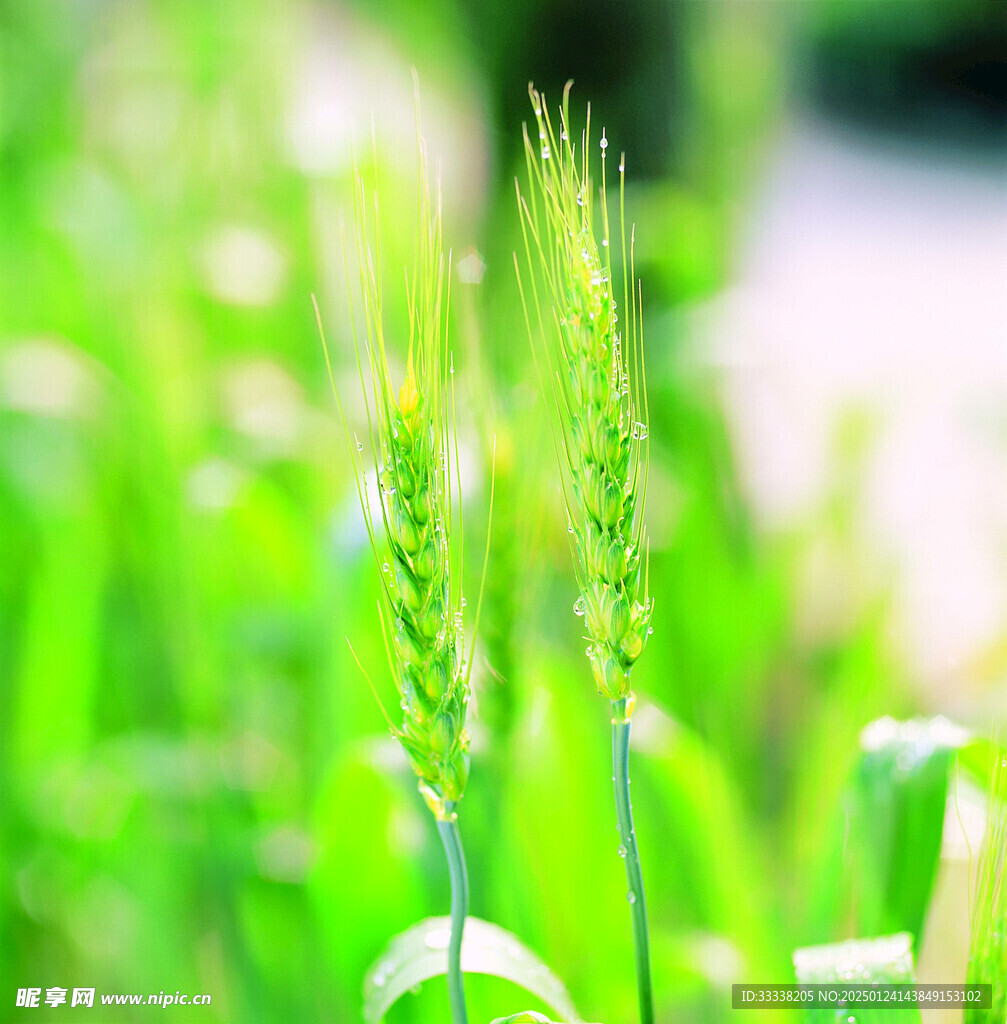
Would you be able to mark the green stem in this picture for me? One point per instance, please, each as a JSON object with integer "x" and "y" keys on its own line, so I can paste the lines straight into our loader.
{"x": 634, "y": 876}
{"x": 452, "y": 841}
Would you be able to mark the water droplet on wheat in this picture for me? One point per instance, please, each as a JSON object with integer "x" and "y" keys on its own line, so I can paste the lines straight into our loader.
{"x": 622, "y": 851}
{"x": 579, "y": 606}
{"x": 640, "y": 431}
{"x": 631, "y": 896}
{"x": 604, "y": 142}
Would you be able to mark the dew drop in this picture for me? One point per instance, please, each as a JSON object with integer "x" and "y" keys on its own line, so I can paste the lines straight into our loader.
{"x": 640, "y": 431}
{"x": 564, "y": 136}
{"x": 546, "y": 152}
{"x": 360, "y": 446}
{"x": 604, "y": 142}
{"x": 622, "y": 851}
{"x": 541, "y": 134}
{"x": 631, "y": 896}
{"x": 386, "y": 567}
{"x": 579, "y": 607}
{"x": 399, "y": 624}
{"x": 580, "y": 202}
{"x": 650, "y": 629}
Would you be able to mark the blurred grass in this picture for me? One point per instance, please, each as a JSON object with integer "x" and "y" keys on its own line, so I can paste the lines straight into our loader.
{"x": 196, "y": 790}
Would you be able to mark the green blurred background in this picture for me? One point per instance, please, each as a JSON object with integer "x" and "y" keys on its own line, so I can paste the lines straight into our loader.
{"x": 197, "y": 792}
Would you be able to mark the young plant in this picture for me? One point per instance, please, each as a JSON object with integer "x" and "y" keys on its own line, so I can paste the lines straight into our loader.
{"x": 412, "y": 436}
{"x": 595, "y": 365}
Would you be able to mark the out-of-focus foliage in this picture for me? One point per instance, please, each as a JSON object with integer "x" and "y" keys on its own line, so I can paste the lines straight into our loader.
{"x": 197, "y": 791}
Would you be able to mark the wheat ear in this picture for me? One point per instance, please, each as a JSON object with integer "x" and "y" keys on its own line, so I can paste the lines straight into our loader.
{"x": 413, "y": 439}
{"x": 596, "y": 378}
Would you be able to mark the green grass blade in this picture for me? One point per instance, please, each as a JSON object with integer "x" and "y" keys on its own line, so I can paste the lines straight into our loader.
{"x": 421, "y": 953}
{"x": 886, "y": 960}
{"x": 988, "y": 945}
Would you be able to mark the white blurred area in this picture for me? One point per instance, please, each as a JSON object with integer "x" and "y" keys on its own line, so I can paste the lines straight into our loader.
{"x": 874, "y": 281}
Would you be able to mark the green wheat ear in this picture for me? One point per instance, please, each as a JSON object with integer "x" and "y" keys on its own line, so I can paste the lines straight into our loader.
{"x": 596, "y": 366}
{"x": 598, "y": 383}
{"x": 988, "y": 946}
{"x": 414, "y": 444}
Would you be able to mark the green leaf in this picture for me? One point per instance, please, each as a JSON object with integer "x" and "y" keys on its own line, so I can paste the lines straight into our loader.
{"x": 524, "y": 1017}
{"x": 897, "y": 804}
{"x": 420, "y": 953}
{"x": 886, "y": 960}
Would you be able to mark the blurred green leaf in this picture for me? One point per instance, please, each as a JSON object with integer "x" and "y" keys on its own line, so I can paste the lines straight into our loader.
{"x": 421, "y": 953}
{"x": 896, "y": 819}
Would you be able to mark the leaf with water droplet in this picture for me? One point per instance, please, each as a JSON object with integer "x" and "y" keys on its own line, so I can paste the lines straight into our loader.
{"x": 886, "y": 960}
{"x": 420, "y": 953}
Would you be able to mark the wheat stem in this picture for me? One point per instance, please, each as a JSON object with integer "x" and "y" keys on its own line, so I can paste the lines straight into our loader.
{"x": 453, "y": 850}
{"x": 621, "y": 711}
